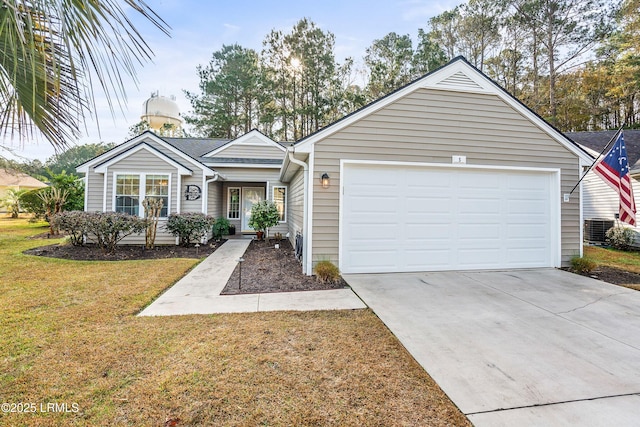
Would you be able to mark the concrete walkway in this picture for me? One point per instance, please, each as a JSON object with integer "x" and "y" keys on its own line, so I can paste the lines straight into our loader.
{"x": 199, "y": 291}
{"x": 518, "y": 348}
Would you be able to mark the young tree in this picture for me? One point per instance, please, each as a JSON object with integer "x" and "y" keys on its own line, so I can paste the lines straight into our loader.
{"x": 53, "y": 52}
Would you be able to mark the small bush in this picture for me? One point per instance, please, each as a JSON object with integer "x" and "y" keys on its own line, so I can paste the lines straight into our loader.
{"x": 582, "y": 265}
{"x": 220, "y": 228}
{"x": 189, "y": 227}
{"x": 111, "y": 227}
{"x": 327, "y": 272}
{"x": 75, "y": 223}
{"x": 264, "y": 214}
{"x": 620, "y": 237}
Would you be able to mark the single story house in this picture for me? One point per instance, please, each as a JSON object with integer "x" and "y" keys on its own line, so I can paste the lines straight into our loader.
{"x": 449, "y": 172}
{"x": 14, "y": 180}
{"x": 601, "y": 203}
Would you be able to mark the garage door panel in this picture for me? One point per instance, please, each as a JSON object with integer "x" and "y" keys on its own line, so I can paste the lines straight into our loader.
{"x": 445, "y": 219}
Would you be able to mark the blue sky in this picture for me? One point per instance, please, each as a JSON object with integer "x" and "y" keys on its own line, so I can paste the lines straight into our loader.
{"x": 201, "y": 27}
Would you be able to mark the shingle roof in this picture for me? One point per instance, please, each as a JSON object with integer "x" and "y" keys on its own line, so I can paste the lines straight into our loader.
{"x": 12, "y": 178}
{"x": 196, "y": 147}
{"x": 597, "y": 140}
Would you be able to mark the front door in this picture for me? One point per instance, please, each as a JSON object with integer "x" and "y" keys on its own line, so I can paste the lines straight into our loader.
{"x": 250, "y": 195}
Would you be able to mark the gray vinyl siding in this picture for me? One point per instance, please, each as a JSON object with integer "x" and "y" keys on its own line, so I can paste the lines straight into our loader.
{"x": 430, "y": 126}
{"x": 214, "y": 199}
{"x": 251, "y": 152}
{"x": 95, "y": 192}
{"x": 296, "y": 205}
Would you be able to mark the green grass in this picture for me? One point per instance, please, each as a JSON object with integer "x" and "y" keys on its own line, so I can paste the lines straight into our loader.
{"x": 629, "y": 261}
{"x": 69, "y": 335}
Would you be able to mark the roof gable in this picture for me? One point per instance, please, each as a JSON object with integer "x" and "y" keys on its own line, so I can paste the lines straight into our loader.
{"x": 458, "y": 75}
{"x": 102, "y": 167}
{"x": 250, "y": 140}
{"x": 178, "y": 156}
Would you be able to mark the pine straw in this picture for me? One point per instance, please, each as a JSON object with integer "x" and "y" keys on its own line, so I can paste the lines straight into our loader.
{"x": 69, "y": 335}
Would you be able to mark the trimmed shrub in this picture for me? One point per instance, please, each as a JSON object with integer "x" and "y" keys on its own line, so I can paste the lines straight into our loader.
{"x": 111, "y": 227}
{"x": 76, "y": 224}
{"x": 220, "y": 228}
{"x": 189, "y": 227}
{"x": 620, "y": 237}
{"x": 327, "y": 272}
{"x": 582, "y": 265}
{"x": 264, "y": 214}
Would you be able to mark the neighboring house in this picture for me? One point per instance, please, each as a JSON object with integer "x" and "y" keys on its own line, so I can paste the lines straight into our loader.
{"x": 14, "y": 180}
{"x": 601, "y": 202}
{"x": 597, "y": 140}
{"x": 449, "y": 172}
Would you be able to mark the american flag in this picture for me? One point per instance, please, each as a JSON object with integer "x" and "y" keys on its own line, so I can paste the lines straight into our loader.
{"x": 613, "y": 168}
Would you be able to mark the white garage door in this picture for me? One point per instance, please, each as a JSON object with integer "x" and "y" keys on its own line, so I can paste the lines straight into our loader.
{"x": 409, "y": 218}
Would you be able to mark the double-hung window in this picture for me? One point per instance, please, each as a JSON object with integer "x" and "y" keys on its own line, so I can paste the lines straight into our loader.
{"x": 280, "y": 200}
{"x": 132, "y": 189}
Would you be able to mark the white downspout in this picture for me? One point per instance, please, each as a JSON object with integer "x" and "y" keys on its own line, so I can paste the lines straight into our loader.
{"x": 205, "y": 199}
{"x": 305, "y": 207}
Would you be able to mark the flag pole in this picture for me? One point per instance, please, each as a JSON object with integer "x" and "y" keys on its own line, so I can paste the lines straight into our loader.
{"x": 615, "y": 136}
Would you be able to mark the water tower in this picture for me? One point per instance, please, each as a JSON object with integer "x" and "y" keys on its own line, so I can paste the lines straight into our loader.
{"x": 159, "y": 111}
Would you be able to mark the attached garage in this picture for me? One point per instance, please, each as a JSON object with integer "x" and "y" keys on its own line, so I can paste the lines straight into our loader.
{"x": 406, "y": 217}
{"x": 447, "y": 173}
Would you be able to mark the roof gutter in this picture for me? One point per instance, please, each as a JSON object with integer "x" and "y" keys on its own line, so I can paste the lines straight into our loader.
{"x": 305, "y": 216}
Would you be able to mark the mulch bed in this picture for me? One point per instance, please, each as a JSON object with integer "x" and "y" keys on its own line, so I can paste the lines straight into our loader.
{"x": 614, "y": 275}
{"x": 267, "y": 269}
{"x": 264, "y": 270}
{"x": 124, "y": 252}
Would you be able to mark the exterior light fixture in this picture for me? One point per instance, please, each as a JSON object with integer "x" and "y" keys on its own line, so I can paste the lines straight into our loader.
{"x": 324, "y": 180}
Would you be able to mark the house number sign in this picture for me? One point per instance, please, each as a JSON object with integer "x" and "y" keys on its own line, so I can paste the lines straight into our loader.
{"x": 193, "y": 192}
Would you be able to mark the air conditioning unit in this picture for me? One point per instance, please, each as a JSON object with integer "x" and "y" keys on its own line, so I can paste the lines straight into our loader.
{"x": 596, "y": 228}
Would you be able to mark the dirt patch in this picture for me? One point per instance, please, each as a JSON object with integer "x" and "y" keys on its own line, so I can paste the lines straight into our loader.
{"x": 267, "y": 269}
{"x": 124, "y": 252}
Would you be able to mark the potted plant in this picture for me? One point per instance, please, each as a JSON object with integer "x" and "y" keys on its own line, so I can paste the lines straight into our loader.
{"x": 264, "y": 214}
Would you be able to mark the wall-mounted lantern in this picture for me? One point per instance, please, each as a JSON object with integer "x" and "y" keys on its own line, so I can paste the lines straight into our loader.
{"x": 324, "y": 180}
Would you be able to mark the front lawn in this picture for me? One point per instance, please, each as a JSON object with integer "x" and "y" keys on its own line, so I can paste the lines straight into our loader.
{"x": 629, "y": 261}
{"x": 72, "y": 352}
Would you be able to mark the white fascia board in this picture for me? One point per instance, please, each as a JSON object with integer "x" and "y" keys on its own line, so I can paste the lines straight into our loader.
{"x": 242, "y": 140}
{"x": 438, "y": 80}
{"x": 243, "y": 165}
{"x": 102, "y": 168}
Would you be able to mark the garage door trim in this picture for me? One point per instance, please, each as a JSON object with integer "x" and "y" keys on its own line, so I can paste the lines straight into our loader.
{"x": 554, "y": 196}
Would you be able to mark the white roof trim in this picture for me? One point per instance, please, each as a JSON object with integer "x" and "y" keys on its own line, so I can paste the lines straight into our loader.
{"x": 244, "y": 140}
{"x": 84, "y": 167}
{"x": 244, "y": 165}
{"x": 102, "y": 168}
{"x": 459, "y": 76}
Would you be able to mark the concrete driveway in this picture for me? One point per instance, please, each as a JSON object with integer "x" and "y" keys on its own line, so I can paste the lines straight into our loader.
{"x": 520, "y": 347}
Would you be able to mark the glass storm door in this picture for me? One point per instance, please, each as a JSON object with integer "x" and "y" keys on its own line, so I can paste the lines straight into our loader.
{"x": 250, "y": 195}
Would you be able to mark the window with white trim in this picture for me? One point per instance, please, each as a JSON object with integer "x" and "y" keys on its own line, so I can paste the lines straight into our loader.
{"x": 129, "y": 194}
{"x": 233, "y": 203}
{"x": 280, "y": 200}
{"x": 157, "y": 187}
